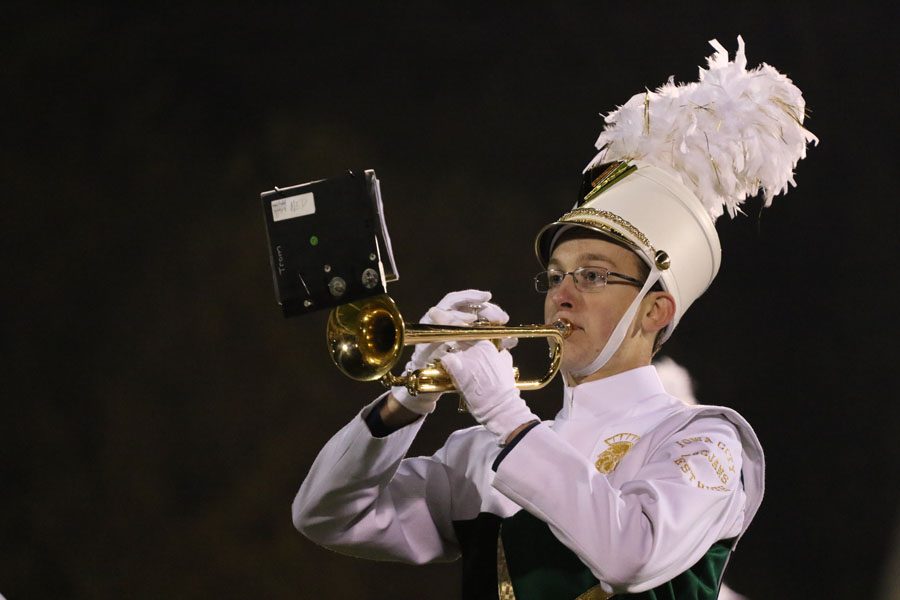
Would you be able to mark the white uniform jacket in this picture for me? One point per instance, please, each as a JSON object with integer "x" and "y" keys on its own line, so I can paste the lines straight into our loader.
{"x": 638, "y": 484}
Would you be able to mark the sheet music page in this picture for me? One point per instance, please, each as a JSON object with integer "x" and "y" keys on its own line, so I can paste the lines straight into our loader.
{"x": 389, "y": 270}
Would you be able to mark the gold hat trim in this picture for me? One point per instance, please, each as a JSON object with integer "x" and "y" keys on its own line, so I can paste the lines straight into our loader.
{"x": 586, "y": 216}
{"x": 614, "y": 173}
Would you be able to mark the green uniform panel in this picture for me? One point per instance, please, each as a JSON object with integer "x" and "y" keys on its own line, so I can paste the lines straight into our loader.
{"x": 542, "y": 568}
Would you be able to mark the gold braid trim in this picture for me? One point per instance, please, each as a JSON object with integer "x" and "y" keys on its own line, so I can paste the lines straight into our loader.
{"x": 605, "y": 214}
{"x": 504, "y": 581}
{"x": 595, "y": 593}
{"x": 581, "y": 216}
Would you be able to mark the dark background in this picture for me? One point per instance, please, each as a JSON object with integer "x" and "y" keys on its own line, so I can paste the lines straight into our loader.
{"x": 158, "y": 413}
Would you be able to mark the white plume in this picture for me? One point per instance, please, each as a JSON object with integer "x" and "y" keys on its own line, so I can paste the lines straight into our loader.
{"x": 675, "y": 379}
{"x": 726, "y": 137}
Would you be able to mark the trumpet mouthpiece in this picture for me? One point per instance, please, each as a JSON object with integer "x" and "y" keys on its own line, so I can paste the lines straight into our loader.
{"x": 564, "y": 327}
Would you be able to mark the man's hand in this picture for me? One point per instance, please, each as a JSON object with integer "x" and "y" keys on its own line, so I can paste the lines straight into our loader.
{"x": 451, "y": 310}
{"x": 486, "y": 379}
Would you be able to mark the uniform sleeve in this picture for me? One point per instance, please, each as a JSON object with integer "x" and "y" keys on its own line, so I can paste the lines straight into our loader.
{"x": 363, "y": 498}
{"x": 633, "y": 537}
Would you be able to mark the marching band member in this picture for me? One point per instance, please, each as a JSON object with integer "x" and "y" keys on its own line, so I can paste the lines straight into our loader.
{"x": 628, "y": 492}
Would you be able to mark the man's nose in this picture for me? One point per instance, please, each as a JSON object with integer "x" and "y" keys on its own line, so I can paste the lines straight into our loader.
{"x": 564, "y": 294}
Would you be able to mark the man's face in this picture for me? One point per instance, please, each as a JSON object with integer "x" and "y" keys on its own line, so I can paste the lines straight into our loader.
{"x": 593, "y": 315}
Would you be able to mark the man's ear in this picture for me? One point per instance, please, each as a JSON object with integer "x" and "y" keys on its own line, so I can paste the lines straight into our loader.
{"x": 659, "y": 310}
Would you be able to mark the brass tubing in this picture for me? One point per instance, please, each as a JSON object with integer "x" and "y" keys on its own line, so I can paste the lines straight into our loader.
{"x": 435, "y": 379}
{"x": 366, "y": 339}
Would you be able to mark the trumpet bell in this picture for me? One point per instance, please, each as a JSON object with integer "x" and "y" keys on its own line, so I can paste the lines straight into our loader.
{"x": 365, "y": 338}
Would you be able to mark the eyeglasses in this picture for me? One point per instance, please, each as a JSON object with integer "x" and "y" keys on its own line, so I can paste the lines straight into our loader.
{"x": 587, "y": 279}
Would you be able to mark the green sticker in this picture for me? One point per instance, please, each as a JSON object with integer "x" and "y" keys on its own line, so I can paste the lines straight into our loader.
{"x": 313, "y": 241}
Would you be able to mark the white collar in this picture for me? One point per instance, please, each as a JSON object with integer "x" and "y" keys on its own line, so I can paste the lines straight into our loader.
{"x": 635, "y": 391}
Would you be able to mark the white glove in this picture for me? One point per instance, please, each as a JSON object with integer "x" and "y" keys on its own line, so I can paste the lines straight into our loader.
{"x": 449, "y": 311}
{"x": 485, "y": 378}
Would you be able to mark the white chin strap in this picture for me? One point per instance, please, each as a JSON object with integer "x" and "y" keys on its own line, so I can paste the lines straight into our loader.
{"x": 618, "y": 334}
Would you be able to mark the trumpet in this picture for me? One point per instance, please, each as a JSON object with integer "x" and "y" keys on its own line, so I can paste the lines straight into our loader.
{"x": 366, "y": 339}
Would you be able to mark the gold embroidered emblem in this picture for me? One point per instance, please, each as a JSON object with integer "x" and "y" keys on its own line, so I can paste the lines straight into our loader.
{"x": 619, "y": 445}
{"x": 710, "y": 466}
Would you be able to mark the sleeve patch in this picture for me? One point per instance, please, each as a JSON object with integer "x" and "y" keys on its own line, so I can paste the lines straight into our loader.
{"x": 705, "y": 463}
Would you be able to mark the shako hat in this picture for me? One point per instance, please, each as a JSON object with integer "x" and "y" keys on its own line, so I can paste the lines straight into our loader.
{"x": 670, "y": 162}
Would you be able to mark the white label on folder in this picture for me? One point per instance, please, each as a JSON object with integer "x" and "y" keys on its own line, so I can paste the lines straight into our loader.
{"x": 293, "y": 207}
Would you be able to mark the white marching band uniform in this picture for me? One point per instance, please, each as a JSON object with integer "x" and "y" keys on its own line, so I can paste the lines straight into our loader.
{"x": 675, "y": 490}
{"x": 629, "y": 490}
